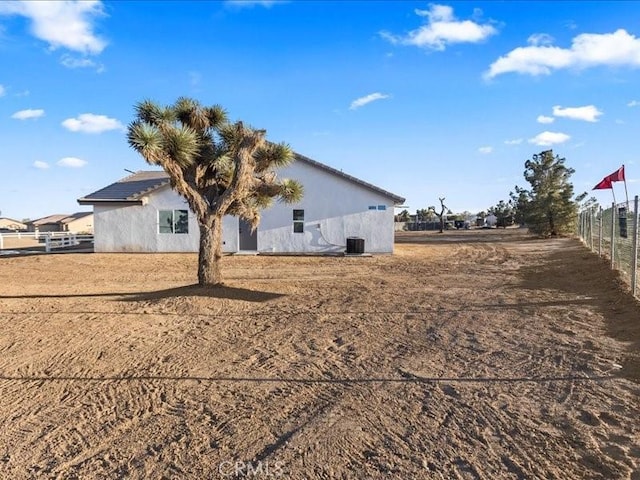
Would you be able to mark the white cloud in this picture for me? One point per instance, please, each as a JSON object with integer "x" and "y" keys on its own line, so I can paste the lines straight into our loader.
{"x": 485, "y": 150}
{"x": 515, "y": 141}
{"x": 70, "y": 61}
{"x": 91, "y": 123}
{"x": 3, "y": 91}
{"x": 442, "y": 29}
{"x": 253, "y": 3}
{"x": 545, "y": 119}
{"x": 546, "y": 139}
{"x": 587, "y": 50}
{"x": 588, "y": 113}
{"x": 633, "y": 103}
{"x": 540, "y": 39}
{"x": 362, "y": 101}
{"x": 27, "y": 114}
{"x": 41, "y": 165}
{"x": 67, "y": 24}
{"x": 71, "y": 162}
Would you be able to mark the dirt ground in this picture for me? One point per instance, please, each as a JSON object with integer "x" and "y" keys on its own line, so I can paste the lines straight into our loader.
{"x": 468, "y": 355}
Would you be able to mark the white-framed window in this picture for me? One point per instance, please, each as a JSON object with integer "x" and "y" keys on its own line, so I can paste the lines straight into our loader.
{"x": 298, "y": 221}
{"x": 173, "y": 221}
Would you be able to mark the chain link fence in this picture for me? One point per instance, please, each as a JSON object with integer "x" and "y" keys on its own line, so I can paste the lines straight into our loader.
{"x": 613, "y": 234}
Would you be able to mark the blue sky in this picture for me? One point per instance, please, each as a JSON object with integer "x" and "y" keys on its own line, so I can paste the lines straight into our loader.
{"x": 423, "y": 99}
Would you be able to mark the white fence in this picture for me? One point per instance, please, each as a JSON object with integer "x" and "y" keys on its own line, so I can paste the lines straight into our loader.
{"x": 51, "y": 240}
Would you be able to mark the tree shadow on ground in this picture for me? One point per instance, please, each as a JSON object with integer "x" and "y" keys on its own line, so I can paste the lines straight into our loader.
{"x": 222, "y": 291}
{"x": 574, "y": 270}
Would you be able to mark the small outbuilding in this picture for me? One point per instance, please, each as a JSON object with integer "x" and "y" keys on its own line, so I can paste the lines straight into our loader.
{"x": 141, "y": 213}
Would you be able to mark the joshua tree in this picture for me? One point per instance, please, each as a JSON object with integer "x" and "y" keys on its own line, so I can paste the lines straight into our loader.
{"x": 220, "y": 168}
{"x": 443, "y": 209}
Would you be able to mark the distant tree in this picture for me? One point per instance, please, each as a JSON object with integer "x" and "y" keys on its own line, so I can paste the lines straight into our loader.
{"x": 443, "y": 209}
{"x": 403, "y": 216}
{"x": 548, "y": 206}
{"x": 220, "y": 168}
{"x": 520, "y": 202}
{"x": 504, "y": 213}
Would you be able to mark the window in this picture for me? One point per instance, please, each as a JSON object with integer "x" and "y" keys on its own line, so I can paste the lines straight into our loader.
{"x": 173, "y": 221}
{"x": 382, "y": 207}
{"x": 372, "y": 207}
{"x": 298, "y": 221}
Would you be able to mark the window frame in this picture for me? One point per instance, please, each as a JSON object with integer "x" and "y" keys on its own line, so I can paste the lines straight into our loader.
{"x": 298, "y": 220}
{"x": 177, "y": 215}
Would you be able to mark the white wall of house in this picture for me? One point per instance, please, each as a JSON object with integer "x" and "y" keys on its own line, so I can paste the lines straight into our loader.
{"x": 134, "y": 228}
{"x": 334, "y": 209}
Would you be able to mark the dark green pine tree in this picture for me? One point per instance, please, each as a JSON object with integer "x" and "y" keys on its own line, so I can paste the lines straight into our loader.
{"x": 551, "y": 208}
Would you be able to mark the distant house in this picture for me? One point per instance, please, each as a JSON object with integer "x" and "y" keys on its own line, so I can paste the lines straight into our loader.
{"x": 141, "y": 213}
{"x": 80, "y": 222}
{"x": 11, "y": 224}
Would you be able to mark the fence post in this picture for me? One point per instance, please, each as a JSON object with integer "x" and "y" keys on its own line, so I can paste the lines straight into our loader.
{"x": 600, "y": 233}
{"x": 1, "y": 242}
{"x": 47, "y": 244}
{"x": 592, "y": 212}
{"x": 613, "y": 235}
{"x": 634, "y": 259}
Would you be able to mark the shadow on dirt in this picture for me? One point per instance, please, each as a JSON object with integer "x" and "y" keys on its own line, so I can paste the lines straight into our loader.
{"x": 572, "y": 269}
{"x": 224, "y": 291}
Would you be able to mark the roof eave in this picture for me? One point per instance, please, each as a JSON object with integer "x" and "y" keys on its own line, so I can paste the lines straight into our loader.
{"x": 95, "y": 201}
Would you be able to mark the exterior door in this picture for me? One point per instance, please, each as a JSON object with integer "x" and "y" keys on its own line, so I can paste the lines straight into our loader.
{"x": 248, "y": 239}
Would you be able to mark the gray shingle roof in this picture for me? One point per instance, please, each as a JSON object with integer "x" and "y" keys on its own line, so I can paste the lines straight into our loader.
{"x": 128, "y": 189}
{"x": 135, "y": 186}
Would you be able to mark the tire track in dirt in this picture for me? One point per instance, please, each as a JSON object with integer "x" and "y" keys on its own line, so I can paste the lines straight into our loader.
{"x": 234, "y": 378}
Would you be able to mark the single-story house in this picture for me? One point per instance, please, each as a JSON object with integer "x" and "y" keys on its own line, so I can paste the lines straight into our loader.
{"x": 141, "y": 213}
{"x": 79, "y": 222}
{"x": 11, "y": 224}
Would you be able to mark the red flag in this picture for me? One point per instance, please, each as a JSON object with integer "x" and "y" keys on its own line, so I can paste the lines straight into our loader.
{"x": 604, "y": 184}
{"x": 617, "y": 176}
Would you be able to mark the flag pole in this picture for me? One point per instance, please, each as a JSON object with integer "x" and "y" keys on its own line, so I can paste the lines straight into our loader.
{"x": 624, "y": 179}
{"x": 614, "y": 195}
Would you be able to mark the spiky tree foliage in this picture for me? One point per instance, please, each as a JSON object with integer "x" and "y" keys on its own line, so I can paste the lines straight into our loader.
{"x": 548, "y": 207}
{"x": 220, "y": 168}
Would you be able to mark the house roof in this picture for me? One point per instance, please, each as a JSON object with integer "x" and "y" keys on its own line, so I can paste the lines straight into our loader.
{"x": 75, "y": 216}
{"x": 60, "y": 218}
{"x": 12, "y": 220}
{"x": 128, "y": 189}
{"x": 50, "y": 219}
{"x": 131, "y": 189}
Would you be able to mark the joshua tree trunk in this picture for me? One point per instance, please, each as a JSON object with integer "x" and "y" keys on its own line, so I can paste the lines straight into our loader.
{"x": 209, "y": 272}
